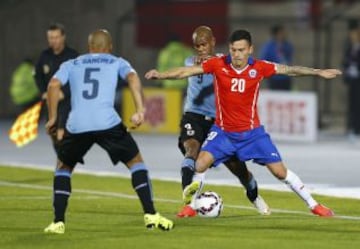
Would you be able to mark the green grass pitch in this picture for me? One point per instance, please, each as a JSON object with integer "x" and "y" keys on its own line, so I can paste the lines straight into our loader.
{"x": 104, "y": 212}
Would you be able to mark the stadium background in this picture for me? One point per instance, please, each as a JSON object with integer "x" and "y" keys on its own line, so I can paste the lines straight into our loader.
{"x": 317, "y": 29}
{"x": 318, "y": 37}
{"x": 98, "y": 209}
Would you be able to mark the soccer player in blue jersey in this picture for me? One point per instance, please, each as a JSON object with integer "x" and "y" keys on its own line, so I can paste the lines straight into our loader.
{"x": 199, "y": 116}
{"x": 93, "y": 79}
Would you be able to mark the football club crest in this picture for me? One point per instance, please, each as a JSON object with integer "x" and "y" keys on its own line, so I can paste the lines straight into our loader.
{"x": 46, "y": 69}
{"x": 252, "y": 73}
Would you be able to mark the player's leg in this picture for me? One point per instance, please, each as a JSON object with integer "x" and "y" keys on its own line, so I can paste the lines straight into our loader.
{"x": 216, "y": 149}
{"x": 240, "y": 170}
{"x": 193, "y": 131}
{"x": 61, "y": 181}
{"x": 121, "y": 146}
{"x": 262, "y": 150}
{"x": 192, "y": 147}
{"x": 191, "y": 191}
{"x": 70, "y": 151}
{"x": 142, "y": 185}
{"x": 247, "y": 179}
{"x": 279, "y": 170}
{"x": 62, "y": 190}
{"x": 61, "y": 194}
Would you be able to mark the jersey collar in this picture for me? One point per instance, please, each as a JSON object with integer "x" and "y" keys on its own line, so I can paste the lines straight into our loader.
{"x": 251, "y": 60}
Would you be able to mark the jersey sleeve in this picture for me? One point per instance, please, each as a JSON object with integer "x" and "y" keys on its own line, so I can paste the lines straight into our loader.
{"x": 125, "y": 68}
{"x": 268, "y": 68}
{"x": 62, "y": 74}
{"x": 189, "y": 61}
{"x": 39, "y": 75}
{"x": 209, "y": 65}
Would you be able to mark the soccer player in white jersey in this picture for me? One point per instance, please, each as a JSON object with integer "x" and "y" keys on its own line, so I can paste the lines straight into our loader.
{"x": 199, "y": 116}
{"x": 93, "y": 79}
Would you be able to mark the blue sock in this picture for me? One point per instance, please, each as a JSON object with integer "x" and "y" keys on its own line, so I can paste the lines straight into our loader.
{"x": 187, "y": 171}
{"x": 252, "y": 189}
{"x": 62, "y": 192}
{"x": 142, "y": 185}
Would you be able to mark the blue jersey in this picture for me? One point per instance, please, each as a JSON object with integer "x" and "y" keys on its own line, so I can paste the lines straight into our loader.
{"x": 200, "y": 97}
{"x": 93, "y": 79}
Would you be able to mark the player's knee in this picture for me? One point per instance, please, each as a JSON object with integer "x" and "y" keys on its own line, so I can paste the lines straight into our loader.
{"x": 201, "y": 166}
{"x": 191, "y": 154}
{"x": 278, "y": 170}
{"x": 62, "y": 166}
{"x": 204, "y": 161}
{"x": 135, "y": 160}
{"x": 191, "y": 148}
{"x": 280, "y": 175}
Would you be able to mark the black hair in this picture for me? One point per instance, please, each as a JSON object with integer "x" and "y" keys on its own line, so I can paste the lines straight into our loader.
{"x": 240, "y": 34}
{"x": 57, "y": 26}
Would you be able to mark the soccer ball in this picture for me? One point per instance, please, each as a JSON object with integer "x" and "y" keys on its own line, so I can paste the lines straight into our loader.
{"x": 208, "y": 204}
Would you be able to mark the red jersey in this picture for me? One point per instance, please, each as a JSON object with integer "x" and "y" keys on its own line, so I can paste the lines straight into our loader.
{"x": 236, "y": 91}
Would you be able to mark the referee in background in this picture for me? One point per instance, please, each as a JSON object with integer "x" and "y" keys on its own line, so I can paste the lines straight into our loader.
{"x": 49, "y": 62}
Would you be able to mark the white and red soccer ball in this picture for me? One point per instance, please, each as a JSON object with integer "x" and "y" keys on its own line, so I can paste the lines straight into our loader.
{"x": 208, "y": 204}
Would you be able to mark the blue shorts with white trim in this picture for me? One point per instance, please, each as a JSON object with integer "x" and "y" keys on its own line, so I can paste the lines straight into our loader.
{"x": 253, "y": 145}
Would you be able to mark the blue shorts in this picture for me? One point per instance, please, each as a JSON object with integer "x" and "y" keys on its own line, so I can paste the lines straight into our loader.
{"x": 253, "y": 145}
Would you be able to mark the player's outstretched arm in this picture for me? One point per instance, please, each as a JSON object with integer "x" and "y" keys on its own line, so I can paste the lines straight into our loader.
{"x": 329, "y": 73}
{"x": 174, "y": 73}
{"x": 303, "y": 71}
{"x": 138, "y": 96}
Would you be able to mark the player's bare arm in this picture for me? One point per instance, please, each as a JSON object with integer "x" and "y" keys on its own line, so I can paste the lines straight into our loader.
{"x": 136, "y": 90}
{"x": 175, "y": 73}
{"x": 61, "y": 94}
{"x": 303, "y": 71}
{"x": 54, "y": 94}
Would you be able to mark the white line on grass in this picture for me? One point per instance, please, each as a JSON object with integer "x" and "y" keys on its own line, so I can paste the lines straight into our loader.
{"x": 43, "y": 197}
{"x": 127, "y": 196}
{"x": 321, "y": 189}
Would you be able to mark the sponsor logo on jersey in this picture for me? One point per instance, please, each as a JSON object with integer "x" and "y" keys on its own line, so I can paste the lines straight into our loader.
{"x": 225, "y": 70}
{"x": 46, "y": 69}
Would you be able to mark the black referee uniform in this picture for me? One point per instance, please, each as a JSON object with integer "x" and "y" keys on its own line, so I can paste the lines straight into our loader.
{"x": 46, "y": 67}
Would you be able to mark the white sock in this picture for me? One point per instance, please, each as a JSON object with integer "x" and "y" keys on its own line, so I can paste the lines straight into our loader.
{"x": 199, "y": 177}
{"x": 296, "y": 185}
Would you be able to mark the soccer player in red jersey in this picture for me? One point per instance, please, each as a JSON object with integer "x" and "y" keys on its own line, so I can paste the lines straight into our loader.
{"x": 198, "y": 118}
{"x": 237, "y": 129}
